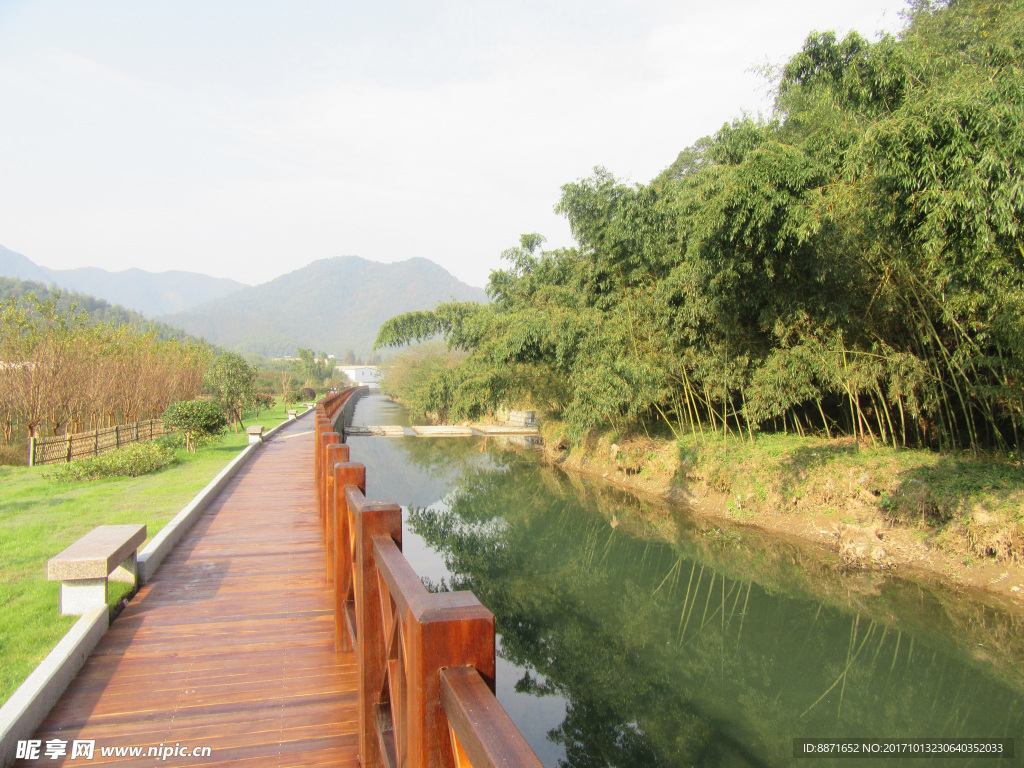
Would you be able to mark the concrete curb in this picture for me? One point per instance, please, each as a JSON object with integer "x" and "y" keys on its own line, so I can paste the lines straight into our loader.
{"x": 160, "y": 545}
{"x": 32, "y": 702}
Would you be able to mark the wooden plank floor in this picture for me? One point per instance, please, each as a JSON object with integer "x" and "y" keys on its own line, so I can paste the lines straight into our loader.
{"x": 231, "y": 646}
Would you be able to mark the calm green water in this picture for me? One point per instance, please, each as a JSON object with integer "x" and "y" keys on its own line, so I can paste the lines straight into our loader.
{"x": 633, "y": 636}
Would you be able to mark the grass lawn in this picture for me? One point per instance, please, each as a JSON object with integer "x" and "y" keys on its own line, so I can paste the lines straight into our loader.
{"x": 40, "y": 517}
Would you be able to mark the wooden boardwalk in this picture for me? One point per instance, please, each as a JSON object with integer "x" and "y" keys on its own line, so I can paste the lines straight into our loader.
{"x": 231, "y": 646}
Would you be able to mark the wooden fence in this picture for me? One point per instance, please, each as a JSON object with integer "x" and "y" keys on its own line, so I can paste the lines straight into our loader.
{"x": 63, "y": 448}
{"x": 426, "y": 660}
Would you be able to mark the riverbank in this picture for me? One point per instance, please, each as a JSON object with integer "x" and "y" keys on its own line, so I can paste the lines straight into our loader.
{"x": 948, "y": 518}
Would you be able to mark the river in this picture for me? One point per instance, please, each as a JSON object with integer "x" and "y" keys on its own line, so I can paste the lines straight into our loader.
{"x": 635, "y": 635}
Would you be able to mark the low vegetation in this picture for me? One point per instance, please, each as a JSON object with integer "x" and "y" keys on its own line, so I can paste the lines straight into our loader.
{"x": 133, "y": 460}
{"x": 196, "y": 421}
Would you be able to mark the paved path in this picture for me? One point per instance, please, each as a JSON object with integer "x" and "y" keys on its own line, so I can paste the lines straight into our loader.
{"x": 231, "y": 646}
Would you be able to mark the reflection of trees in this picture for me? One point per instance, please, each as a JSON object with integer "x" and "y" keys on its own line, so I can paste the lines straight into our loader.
{"x": 666, "y": 660}
{"x": 442, "y": 455}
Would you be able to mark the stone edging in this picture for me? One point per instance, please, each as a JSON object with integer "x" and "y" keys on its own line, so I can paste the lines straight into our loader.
{"x": 32, "y": 701}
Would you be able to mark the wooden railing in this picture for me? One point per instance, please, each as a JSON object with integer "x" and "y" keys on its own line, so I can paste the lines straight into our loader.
{"x": 426, "y": 660}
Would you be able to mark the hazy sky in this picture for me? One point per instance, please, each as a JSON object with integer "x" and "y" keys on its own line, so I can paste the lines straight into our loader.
{"x": 247, "y": 139}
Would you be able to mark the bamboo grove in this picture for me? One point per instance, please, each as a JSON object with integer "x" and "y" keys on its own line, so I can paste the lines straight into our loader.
{"x": 61, "y": 372}
{"x": 850, "y": 264}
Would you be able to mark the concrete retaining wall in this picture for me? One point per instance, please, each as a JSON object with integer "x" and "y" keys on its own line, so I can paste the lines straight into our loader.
{"x": 343, "y": 418}
{"x": 32, "y": 702}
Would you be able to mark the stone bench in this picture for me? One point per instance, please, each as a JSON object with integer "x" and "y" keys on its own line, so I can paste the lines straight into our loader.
{"x": 293, "y": 414}
{"x": 255, "y": 433}
{"x": 106, "y": 553}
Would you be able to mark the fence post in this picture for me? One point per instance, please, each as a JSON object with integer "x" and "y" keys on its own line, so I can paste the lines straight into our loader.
{"x": 117, "y": 436}
{"x": 327, "y": 439}
{"x": 68, "y": 435}
{"x": 320, "y": 426}
{"x": 335, "y": 452}
{"x": 96, "y": 442}
{"x": 371, "y": 519}
{"x": 345, "y": 474}
{"x": 32, "y": 450}
{"x": 446, "y": 629}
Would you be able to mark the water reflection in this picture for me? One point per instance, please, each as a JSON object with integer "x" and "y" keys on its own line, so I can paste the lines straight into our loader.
{"x": 634, "y": 637}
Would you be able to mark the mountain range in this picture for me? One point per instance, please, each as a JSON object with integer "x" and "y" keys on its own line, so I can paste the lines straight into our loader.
{"x": 150, "y": 293}
{"x": 331, "y": 305}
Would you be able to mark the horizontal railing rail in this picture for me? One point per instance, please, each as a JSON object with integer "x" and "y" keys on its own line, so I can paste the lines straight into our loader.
{"x": 426, "y": 659}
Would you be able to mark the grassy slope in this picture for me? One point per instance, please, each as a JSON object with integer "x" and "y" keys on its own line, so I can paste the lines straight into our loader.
{"x": 39, "y": 518}
{"x": 970, "y": 507}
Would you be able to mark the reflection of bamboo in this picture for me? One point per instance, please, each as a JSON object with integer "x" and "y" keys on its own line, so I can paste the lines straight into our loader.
{"x": 707, "y": 603}
{"x": 732, "y": 611}
{"x": 896, "y": 652}
{"x": 849, "y": 650}
{"x": 885, "y": 634}
{"x": 674, "y": 569}
{"x": 705, "y": 618}
{"x": 850, "y": 660}
{"x": 687, "y": 614}
{"x": 743, "y": 615}
{"x": 723, "y": 629}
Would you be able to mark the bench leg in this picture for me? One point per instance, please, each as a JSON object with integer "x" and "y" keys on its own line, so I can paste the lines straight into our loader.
{"x": 127, "y": 572}
{"x": 77, "y": 597}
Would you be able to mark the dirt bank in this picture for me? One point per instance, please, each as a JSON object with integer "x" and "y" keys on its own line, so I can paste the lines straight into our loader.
{"x": 880, "y": 509}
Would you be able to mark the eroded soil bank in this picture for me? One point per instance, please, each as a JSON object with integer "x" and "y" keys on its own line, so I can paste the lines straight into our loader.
{"x": 953, "y": 520}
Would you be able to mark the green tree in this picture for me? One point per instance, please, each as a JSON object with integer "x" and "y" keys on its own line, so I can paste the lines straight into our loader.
{"x": 315, "y": 368}
{"x": 231, "y": 379}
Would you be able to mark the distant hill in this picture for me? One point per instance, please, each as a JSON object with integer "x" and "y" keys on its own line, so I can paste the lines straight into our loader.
{"x": 152, "y": 293}
{"x": 99, "y": 311}
{"x": 331, "y": 305}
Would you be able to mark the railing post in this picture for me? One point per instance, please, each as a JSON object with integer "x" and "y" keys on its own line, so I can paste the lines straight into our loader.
{"x": 447, "y": 629}
{"x": 336, "y": 452}
{"x": 345, "y": 626}
{"x": 320, "y": 427}
{"x": 326, "y": 440}
{"x": 373, "y": 518}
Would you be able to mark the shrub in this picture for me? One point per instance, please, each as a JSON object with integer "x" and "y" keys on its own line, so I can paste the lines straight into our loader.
{"x": 15, "y": 455}
{"x": 131, "y": 461}
{"x": 308, "y": 394}
{"x": 260, "y": 401}
{"x": 195, "y": 420}
{"x": 294, "y": 396}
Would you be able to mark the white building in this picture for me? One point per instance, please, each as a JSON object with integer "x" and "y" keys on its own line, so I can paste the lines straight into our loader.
{"x": 361, "y": 374}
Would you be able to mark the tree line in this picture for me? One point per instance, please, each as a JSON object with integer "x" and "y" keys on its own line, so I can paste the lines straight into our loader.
{"x": 62, "y": 372}
{"x": 850, "y": 264}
